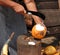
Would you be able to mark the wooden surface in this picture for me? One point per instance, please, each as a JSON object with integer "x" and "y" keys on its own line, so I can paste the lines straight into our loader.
{"x": 52, "y": 20}
{"x": 48, "y": 5}
{"x": 51, "y": 9}
{"x": 52, "y": 16}
{"x": 24, "y": 48}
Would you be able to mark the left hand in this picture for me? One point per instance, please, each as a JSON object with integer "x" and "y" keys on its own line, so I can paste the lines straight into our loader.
{"x": 37, "y": 19}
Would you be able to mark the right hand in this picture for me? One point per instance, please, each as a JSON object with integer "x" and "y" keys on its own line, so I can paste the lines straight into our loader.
{"x": 19, "y": 9}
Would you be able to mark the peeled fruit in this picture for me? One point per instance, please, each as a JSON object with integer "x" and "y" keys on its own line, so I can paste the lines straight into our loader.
{"x": 39, "y": 31}
{"x": 50, "y": 50}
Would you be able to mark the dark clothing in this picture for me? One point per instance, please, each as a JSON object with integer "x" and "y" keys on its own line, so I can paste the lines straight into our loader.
{"x": 10, "y": 22}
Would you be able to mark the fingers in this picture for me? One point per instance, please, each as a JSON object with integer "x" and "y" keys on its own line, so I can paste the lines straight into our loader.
{"x": 19, "y": 9}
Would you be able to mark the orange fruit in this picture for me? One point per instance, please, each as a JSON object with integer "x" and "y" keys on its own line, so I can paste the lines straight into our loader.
{"x": 56, "y": 53}
{"x": 50, "y": 50}
{"x": 39, "y": 31}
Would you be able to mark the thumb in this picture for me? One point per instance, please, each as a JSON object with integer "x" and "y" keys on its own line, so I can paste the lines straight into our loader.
{"x": 25, "y": 11}
{"x": 22, "y": 12}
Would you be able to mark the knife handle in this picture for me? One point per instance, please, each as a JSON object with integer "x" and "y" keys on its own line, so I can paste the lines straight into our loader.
{"x": 42, "y": 16}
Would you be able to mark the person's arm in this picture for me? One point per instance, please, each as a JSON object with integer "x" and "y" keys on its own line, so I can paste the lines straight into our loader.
{"x": 31, "y": 6}
{"x": 9, "y": 3}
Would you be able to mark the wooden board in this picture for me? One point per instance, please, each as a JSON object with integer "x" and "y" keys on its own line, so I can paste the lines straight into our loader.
{"x": 52, "y": 17}
{"x": 53, "y": 30}
{"x": 47, "y": 5}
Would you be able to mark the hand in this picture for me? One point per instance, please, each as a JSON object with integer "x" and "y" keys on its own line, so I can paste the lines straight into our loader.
{"x": 19, "y": 9}
{"x": 37, "y": 19}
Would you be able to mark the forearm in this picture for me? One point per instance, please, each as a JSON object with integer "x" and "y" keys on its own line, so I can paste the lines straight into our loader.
{"x": 8, "y": 3}
{"x": 30, "y": 4}
{"x": 15, "y": 6}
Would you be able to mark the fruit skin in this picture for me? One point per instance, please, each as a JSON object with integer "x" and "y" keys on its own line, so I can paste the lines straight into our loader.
{"x": 4, "y": 50}
{"x": 56, "y": 53}
{"x": 50, "y": 50}
{"x": 39, "y": 34}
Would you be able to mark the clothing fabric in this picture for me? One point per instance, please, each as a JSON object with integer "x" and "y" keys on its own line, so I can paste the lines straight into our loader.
{"x": 10, "y": 22}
